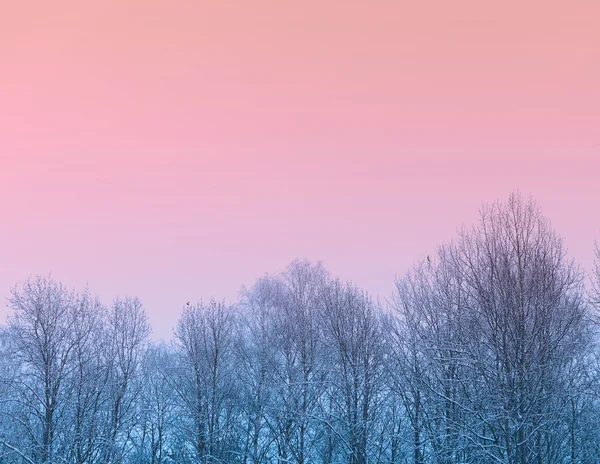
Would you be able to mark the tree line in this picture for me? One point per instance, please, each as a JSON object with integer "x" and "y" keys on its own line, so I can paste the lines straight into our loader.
{"x": 486, "y": 353}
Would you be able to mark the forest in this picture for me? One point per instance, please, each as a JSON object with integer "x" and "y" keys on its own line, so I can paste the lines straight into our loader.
{"x": 487, "y": 352}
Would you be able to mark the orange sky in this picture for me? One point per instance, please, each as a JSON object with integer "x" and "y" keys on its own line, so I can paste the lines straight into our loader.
{"x": 177, "y": 150}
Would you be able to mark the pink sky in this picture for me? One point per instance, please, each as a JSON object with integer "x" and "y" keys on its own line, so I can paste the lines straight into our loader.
{"x": 177, "y": 150}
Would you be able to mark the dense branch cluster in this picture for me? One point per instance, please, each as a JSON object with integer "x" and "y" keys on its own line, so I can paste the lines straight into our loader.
{"x": 486, "y": 353}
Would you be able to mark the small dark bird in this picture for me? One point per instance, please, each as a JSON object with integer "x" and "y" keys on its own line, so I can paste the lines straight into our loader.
{"x": 188, "y": 303}
{"x": 428, "y": 260}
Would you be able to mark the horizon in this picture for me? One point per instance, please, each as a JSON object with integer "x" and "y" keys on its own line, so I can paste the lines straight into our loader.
{"x": 165, "y": 333}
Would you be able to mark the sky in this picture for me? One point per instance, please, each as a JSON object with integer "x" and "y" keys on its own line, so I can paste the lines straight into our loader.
{"x": 177, "y": 150}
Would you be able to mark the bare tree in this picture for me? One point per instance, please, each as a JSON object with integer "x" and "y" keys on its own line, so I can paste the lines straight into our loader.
{"x": 357, "y": 342}
{"x": 430, "y": 357}
{"x": 127, "y": 333}
{"x": 256, "y": 362}
{"x": 40, "y": 333}
{"x": 595, "y": 287}
{"x": 154, "y": 434}
{"x": 204, "y": 338}
{"x": 519, "y": 319}
{"x": 298, "y": 369}
{"x": 87, "y": 381}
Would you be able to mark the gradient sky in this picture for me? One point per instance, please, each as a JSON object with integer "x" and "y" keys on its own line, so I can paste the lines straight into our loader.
{"x": 177, "y": 150}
